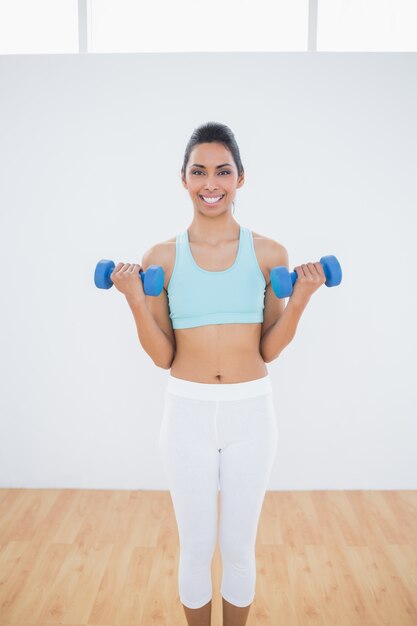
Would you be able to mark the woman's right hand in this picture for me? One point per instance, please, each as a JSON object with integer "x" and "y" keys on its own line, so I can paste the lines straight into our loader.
{"x": 127, "y": 280}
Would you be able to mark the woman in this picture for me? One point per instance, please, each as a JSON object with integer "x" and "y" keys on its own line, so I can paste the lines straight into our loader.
{"x": 215, "y": 325}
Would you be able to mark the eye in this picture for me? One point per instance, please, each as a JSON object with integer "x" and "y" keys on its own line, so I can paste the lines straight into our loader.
{"x": 200, "y": 172}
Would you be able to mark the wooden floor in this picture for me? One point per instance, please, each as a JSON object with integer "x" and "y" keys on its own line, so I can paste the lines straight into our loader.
{"x": 102, "y": 558}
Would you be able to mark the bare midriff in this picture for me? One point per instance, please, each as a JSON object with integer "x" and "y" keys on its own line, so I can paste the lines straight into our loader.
{"x": 219, "y": 353}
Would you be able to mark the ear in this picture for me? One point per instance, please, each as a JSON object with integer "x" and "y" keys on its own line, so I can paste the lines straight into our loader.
{"x": 240, "y": 180}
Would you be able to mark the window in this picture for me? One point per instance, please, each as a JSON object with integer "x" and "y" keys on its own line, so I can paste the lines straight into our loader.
{"x": 367, "y": 25}
{"x": 38, "y": 26}
{"x": 129, "y": 26}
{"x": 195, "y": 26}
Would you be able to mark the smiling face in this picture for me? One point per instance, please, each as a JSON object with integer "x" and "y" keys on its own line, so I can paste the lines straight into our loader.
{"x": 211, "y": 172}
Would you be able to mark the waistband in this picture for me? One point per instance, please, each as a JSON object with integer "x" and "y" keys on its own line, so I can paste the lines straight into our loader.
{"x": 219, "y": 391}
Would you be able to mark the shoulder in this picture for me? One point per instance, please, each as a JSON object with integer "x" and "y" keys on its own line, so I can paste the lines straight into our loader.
{"x": 159, "y": 251}
{"x": 162, "y": 253}
{"x": 273, "y": 253}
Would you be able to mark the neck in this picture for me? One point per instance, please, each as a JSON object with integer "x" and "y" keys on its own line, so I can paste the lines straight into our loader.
{"x": 213, "y": 229}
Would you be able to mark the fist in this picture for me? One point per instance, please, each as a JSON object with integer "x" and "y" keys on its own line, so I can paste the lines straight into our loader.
{"x": 310, "y": 276}
{"x": 127, "y": 280}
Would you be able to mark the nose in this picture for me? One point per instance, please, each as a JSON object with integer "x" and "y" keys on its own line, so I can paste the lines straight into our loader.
{"x": 210, "y": 185}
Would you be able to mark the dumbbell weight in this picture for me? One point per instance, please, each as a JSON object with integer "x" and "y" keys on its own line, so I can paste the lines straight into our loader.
{"x": 152, "y": 279}
{"x": 282, "y": 280}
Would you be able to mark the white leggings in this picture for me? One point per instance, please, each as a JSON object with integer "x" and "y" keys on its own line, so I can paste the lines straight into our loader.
{"x": 218, "y": 436}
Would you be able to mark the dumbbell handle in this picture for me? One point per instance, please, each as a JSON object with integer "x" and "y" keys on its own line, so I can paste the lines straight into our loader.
{"x": 331, "y": 268}
{"x": 283, "y": 281}
{"x": 152, "y": 279}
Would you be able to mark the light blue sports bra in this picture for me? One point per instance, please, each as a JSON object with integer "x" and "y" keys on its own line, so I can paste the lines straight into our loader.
{"x": 198, "y": 297}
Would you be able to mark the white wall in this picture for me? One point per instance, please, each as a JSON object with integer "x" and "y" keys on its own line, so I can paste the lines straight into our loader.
{"x": 90, "y": 154}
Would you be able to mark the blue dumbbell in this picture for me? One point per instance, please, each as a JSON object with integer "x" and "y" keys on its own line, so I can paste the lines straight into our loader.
{"x": 152, "y": 279}
{"x": 283, "y": 281}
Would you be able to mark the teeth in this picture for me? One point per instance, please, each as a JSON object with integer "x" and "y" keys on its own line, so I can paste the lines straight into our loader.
{"x": 211, "y": 200}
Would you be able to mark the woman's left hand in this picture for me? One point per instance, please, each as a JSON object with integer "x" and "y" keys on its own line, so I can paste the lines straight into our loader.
{"x": 310, "y": 276}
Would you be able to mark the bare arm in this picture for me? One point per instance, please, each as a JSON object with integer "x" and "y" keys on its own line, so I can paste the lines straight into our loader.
{"x": 150, "y": 312}
{"x": 154, "y": 340}
{"x": 310, "y": 276}
{"x": 282, "y": 332}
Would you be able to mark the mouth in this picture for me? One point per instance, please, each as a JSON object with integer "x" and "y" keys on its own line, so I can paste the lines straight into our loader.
{"x": 212, "y": 200}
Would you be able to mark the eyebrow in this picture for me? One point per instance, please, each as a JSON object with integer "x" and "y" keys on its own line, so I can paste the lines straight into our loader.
{"x": 204, "y": 167}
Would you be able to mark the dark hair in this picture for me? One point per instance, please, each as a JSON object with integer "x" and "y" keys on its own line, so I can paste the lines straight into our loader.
{"x": 212, "y": 132}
